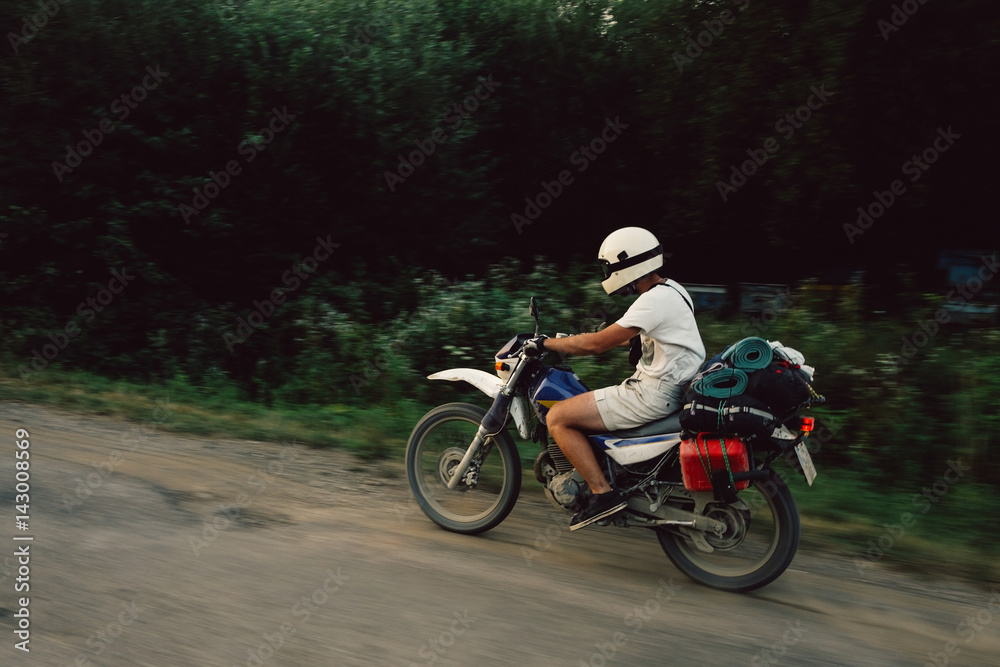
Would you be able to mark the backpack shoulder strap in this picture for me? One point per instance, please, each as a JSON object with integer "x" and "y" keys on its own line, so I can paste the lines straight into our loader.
{"x": 635, "y": 348}
{"x": 686, "y": 302}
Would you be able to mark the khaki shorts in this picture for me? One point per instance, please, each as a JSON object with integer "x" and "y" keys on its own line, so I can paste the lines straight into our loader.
{"x": 638, "y": 400}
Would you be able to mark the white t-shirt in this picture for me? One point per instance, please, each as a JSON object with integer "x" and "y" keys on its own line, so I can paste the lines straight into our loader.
{"x": 671, "y": 344}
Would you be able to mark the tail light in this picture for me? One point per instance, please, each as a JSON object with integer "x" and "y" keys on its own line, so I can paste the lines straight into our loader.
{"x": 807, "y": 425}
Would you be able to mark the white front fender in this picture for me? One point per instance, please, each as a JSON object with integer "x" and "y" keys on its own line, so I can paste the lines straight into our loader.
{"x": 489, "y": 385}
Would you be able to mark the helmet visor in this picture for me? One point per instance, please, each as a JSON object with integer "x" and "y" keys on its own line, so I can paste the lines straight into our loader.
{"x": 610, "y": 268}
{"x": 606, "y": 268}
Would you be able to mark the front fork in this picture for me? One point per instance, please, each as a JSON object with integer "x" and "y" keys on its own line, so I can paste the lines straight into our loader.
{"x": 494, "y": 422}
{"x": 458, "y": 473}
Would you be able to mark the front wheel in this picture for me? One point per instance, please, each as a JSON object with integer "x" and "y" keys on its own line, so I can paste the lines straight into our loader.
{"x": 760, "y": 541}
{"x": 437, "y": 444}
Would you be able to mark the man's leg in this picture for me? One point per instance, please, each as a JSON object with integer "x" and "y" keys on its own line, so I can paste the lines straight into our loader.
{"x": 567, "y": 422}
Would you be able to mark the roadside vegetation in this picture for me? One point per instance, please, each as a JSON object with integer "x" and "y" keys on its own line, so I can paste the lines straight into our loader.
{"x": 241, "y": 206}
{"x": 906, "y": 475}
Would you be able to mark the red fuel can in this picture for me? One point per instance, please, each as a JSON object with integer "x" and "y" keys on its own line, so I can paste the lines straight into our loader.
{"x": 706, "y": 450}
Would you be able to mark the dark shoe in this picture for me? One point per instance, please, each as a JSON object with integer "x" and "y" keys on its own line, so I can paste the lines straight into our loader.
{"x": 598, "y": 507}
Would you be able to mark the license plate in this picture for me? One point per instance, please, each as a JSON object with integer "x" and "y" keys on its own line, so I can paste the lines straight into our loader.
{"x": 805, "y": 460}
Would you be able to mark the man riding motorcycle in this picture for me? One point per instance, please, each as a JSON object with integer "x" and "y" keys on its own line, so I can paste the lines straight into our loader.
{"x": 672, "y": 353}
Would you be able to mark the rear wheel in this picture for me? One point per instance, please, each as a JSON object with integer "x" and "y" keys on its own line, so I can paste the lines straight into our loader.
{"x": 437, "y": 445}
{"x": 761, "y": 538}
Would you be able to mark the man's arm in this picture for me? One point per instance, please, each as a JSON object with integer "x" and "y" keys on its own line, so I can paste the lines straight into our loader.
{"x": 591, "y": 343}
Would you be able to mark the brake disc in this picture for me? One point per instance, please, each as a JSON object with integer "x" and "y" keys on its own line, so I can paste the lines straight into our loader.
{"x": 447, "y": 462}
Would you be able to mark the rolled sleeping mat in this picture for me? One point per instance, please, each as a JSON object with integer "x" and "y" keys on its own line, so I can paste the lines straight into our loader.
{"x": 750, "y": 354}
{"x": 722, "y": 383}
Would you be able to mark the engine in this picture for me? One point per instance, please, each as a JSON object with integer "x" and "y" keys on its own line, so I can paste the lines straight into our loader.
{"x": 566, "y": 490}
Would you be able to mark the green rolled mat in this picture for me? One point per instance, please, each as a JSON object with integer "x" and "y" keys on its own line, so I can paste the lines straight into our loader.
{"x": 750, "y": 354}
{"x": 722, "y": 383}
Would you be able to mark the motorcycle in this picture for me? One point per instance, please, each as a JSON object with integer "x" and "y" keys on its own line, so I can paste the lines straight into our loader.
{"x": 738, "y": 533}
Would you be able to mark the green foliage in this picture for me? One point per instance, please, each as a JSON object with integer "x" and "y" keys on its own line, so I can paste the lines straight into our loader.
{"x": 431, "y": 272}
{"x": 874, "y": 523}
{"x": 846, "y": 506}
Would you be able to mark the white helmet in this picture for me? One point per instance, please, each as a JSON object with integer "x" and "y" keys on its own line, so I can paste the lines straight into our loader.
{"x": 627, "y": 255}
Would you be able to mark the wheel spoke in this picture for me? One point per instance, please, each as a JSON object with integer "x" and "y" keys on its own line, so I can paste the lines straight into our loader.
{"x": 758, "y": 544}
{"x": 749, "y": 541}
{"x": 488, "y": 488}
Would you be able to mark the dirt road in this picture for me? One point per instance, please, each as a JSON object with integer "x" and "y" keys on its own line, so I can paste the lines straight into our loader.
{"x": 154, "y": 549}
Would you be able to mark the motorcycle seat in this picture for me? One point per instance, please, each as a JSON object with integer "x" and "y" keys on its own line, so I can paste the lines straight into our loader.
{"x": 669, "y": 424}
